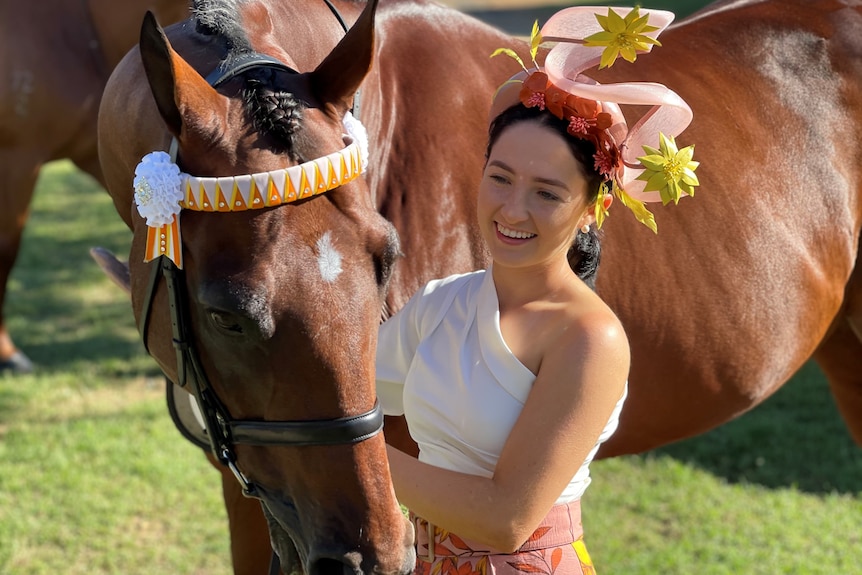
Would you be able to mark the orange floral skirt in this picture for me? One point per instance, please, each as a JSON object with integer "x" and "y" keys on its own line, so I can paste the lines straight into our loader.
{"x": 556, "y": 547}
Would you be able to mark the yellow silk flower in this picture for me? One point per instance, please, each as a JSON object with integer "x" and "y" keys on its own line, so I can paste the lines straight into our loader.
{"x": 669, "y": 171}
{"x": 622, "y": 36}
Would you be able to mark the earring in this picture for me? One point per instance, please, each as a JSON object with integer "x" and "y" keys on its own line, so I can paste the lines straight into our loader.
{"x": 585, "y": 228}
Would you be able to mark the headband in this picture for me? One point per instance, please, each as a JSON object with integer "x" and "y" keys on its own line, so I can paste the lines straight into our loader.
{"x": 584, "y": 38}
{"x": 161, "y": 190}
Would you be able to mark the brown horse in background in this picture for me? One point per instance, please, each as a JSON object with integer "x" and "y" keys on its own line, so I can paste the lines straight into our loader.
{"x": 55, "y": 59}
{"x": 742, "y": 285}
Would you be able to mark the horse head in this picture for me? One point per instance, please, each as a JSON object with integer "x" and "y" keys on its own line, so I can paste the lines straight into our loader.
{"x": 268, "y": 312}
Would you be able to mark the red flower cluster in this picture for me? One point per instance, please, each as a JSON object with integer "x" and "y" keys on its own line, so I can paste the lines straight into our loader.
{"x": 586, "y": 119}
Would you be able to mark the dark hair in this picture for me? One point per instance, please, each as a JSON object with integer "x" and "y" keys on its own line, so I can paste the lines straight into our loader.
{"x": 585, "y": 253}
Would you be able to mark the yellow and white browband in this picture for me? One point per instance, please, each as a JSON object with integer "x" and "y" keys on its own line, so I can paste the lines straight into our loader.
{"x": 161, "y": 191}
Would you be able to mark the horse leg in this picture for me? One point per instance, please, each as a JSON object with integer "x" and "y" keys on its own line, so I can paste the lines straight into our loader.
{"x": 18, "y": 174}
{"x": 250, "y": 548}
{"x": 840, "y": 358}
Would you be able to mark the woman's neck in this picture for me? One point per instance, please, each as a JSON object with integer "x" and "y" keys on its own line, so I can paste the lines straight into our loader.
{"x": 550, "y": 281}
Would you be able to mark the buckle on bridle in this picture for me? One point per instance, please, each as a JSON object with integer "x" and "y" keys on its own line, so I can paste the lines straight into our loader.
{"x": 248, "y": 489}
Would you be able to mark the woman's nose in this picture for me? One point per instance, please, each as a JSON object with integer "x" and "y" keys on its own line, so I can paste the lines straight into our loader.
{"x": 514, "y": 207}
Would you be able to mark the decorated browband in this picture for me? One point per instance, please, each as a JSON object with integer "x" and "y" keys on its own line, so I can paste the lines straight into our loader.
{"x": 162, "y": 190}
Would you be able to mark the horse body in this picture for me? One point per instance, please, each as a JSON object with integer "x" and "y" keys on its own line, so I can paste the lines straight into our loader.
{"x": 56, "y": 58}
{"x": 713, "y": 303}
{"x": 744, "y": 283}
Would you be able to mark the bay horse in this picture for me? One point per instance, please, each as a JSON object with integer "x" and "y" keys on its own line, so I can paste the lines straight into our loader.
{"x": 741, "y": 286}
{"x": 57, "y": 56}
{"x": 278, "y": 307}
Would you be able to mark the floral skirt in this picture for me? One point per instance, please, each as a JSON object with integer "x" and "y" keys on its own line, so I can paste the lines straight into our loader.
{"x": 555, "y": 547}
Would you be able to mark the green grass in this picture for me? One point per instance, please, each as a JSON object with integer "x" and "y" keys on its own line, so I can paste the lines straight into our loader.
{"x": 95, "y": 479}
{"x": 778, "y": 490}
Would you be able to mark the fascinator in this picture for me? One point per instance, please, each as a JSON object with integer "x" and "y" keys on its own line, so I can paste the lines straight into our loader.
{"x": 641, "y": 163}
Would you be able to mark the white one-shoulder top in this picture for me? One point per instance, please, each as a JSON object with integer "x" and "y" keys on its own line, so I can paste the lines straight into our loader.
{"x": 443, "y": 364}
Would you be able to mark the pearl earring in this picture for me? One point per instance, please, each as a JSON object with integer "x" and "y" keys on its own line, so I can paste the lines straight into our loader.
{"x": 585, "y": 228}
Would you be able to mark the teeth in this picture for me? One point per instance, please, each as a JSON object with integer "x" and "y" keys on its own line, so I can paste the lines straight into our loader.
{"x": 513, "y": 233}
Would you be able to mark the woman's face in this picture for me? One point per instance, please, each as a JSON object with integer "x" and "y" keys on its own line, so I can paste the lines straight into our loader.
{"x": 532, "y": 197}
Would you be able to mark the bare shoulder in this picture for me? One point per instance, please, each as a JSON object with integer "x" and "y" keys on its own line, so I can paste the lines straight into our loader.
{"x": 591, "y": 340}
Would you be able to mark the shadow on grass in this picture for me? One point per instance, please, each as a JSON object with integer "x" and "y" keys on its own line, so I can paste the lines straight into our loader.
{"x": 796, "y": 438}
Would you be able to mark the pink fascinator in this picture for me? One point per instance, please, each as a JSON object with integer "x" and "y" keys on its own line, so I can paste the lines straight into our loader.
{"x": 640, "y": 163}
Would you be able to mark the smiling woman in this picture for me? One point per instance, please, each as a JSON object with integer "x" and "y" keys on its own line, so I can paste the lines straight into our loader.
{"x": 537, "y": 173}
{"x": 510, "y": 378}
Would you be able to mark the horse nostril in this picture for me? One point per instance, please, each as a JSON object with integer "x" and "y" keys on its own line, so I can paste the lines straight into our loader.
{"x": 328, "y": 566}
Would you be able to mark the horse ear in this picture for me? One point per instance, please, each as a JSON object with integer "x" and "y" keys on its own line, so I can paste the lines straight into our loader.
{"x": 337, "y": 79}
{"x": 116, "y": 270}
{"x": 176, "y": 86}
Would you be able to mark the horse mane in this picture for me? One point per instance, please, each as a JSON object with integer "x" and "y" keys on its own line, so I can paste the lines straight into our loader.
{"x": 275, "y": 112}
{"x": 218, "y": 18}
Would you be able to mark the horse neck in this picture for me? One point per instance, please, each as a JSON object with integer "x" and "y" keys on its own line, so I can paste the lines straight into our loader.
{"x": 281, "y": 29}
{"x": 428, "y": 96}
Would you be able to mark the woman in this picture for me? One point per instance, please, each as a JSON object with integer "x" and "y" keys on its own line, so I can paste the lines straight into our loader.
{"x": 511, "y": 377}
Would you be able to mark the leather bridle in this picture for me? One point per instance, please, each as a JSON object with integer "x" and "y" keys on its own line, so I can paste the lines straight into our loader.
{"x": 223, "y": 431}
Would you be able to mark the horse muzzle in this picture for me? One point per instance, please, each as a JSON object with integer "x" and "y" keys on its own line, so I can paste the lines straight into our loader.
{"x": 325, "y": 551}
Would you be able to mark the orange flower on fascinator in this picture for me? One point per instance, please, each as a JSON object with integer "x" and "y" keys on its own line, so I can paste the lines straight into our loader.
{"x": 586, "y": 119}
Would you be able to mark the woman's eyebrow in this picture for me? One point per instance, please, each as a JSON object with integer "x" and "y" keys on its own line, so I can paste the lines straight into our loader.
{"x": 551, "y": 182}
{"x": 499, "y": 164}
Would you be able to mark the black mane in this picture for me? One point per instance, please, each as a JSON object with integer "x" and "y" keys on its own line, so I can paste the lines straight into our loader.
{"x": 218, "y": 18}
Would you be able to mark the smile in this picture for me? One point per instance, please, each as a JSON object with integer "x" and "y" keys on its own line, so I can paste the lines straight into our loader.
{"x": 515, "y": 234}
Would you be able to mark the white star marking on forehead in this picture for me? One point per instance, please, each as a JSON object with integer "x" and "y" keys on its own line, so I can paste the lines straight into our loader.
{"x": 328, "y": 258}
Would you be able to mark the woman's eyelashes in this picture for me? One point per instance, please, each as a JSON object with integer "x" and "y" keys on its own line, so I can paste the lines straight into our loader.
{"x": 548, "y": 195}
{"x": 505, "y": 180}
{"x": 499, "y": 179}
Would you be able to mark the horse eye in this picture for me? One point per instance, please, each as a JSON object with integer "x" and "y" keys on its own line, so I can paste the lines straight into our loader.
{"x": 225, "y": 322}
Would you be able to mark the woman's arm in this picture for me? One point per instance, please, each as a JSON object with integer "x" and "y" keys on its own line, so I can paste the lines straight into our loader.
{"x": 578, "y": 385}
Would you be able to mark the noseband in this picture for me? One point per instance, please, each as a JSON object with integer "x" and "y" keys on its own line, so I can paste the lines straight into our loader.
{"x": 224, "y": 432}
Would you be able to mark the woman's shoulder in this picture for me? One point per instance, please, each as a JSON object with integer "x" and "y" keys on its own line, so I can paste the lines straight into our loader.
{"x": 589, "y": 328}
{"x": 590, "y": 352}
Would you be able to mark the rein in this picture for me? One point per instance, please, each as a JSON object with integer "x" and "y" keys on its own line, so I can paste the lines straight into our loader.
{"x": 224, "y": 432}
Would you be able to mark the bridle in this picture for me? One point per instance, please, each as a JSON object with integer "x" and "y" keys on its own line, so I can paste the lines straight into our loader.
{"x": 224, "y": 432}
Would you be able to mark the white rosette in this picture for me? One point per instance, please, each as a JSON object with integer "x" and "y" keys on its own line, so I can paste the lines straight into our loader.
{"x": 158, "y": 189}
{"x": 358, "y": 134}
